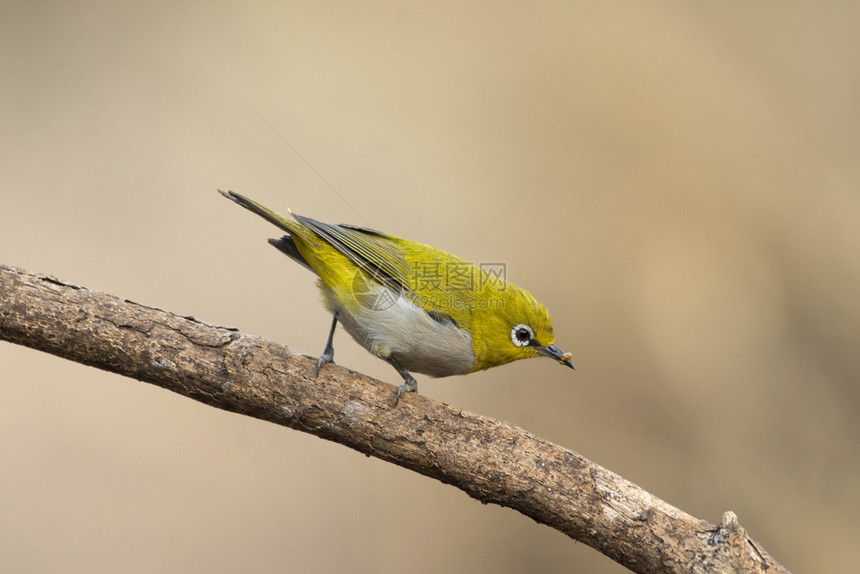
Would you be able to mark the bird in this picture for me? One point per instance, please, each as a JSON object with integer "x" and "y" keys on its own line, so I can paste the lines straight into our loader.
{"x": 421, "y": 309}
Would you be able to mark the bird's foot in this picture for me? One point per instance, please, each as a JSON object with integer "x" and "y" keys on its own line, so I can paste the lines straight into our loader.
{"x": 410, "y": 385}
{"x": 326, "y": 357}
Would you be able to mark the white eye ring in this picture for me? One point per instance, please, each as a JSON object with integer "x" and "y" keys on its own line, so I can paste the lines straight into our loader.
{"x": 522, "y": 335}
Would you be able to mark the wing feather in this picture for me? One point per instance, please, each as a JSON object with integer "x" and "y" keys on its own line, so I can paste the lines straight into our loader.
{"x": 371, "y": 250}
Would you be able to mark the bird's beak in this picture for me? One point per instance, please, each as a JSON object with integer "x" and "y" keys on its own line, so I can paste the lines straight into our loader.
{"x": 554, "y": 352}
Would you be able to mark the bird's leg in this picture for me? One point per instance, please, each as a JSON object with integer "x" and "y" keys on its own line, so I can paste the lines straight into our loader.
{"x": 328, "y": 353}
{"x": 410, "y": 385}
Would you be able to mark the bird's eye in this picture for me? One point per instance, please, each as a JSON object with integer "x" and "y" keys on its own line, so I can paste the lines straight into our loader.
{"x": 521, "y": 335}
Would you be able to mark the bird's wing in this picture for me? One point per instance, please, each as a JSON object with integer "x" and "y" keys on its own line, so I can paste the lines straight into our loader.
{"x": 398, "y": 264}
{"x": 371, "y": 250}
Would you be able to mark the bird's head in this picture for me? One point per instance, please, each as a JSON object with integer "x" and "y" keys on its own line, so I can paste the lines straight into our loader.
{"x": 512, "y": 326}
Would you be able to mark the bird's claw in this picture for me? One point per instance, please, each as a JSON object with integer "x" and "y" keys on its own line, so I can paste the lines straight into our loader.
{"x": 326, "y": 357}
{"x": 410, "y": 385}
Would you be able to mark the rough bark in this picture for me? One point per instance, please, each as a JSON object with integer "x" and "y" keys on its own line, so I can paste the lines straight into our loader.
{"x": 491, "y": 460}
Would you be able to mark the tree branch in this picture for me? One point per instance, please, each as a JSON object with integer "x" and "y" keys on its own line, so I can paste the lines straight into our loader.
{"x": 490, "y": 460}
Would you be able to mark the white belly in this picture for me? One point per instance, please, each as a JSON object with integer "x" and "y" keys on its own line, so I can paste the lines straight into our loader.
{"x": 389, "y": 325}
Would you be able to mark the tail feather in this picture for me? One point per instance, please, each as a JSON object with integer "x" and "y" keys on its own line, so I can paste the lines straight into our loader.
{"x": 287, "y": 246}
{"x": 263, "y": 212}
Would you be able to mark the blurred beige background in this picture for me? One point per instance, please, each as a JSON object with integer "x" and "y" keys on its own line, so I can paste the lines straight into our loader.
{"x": 678, "y": 184}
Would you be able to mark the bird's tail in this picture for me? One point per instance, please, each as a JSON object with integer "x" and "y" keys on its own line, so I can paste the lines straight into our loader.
{"x": 285, "y": 244}
{"x": 263, "y": 212}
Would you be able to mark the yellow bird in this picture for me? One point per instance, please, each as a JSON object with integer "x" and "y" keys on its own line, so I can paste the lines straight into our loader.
{"x": 421, "y": 309}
